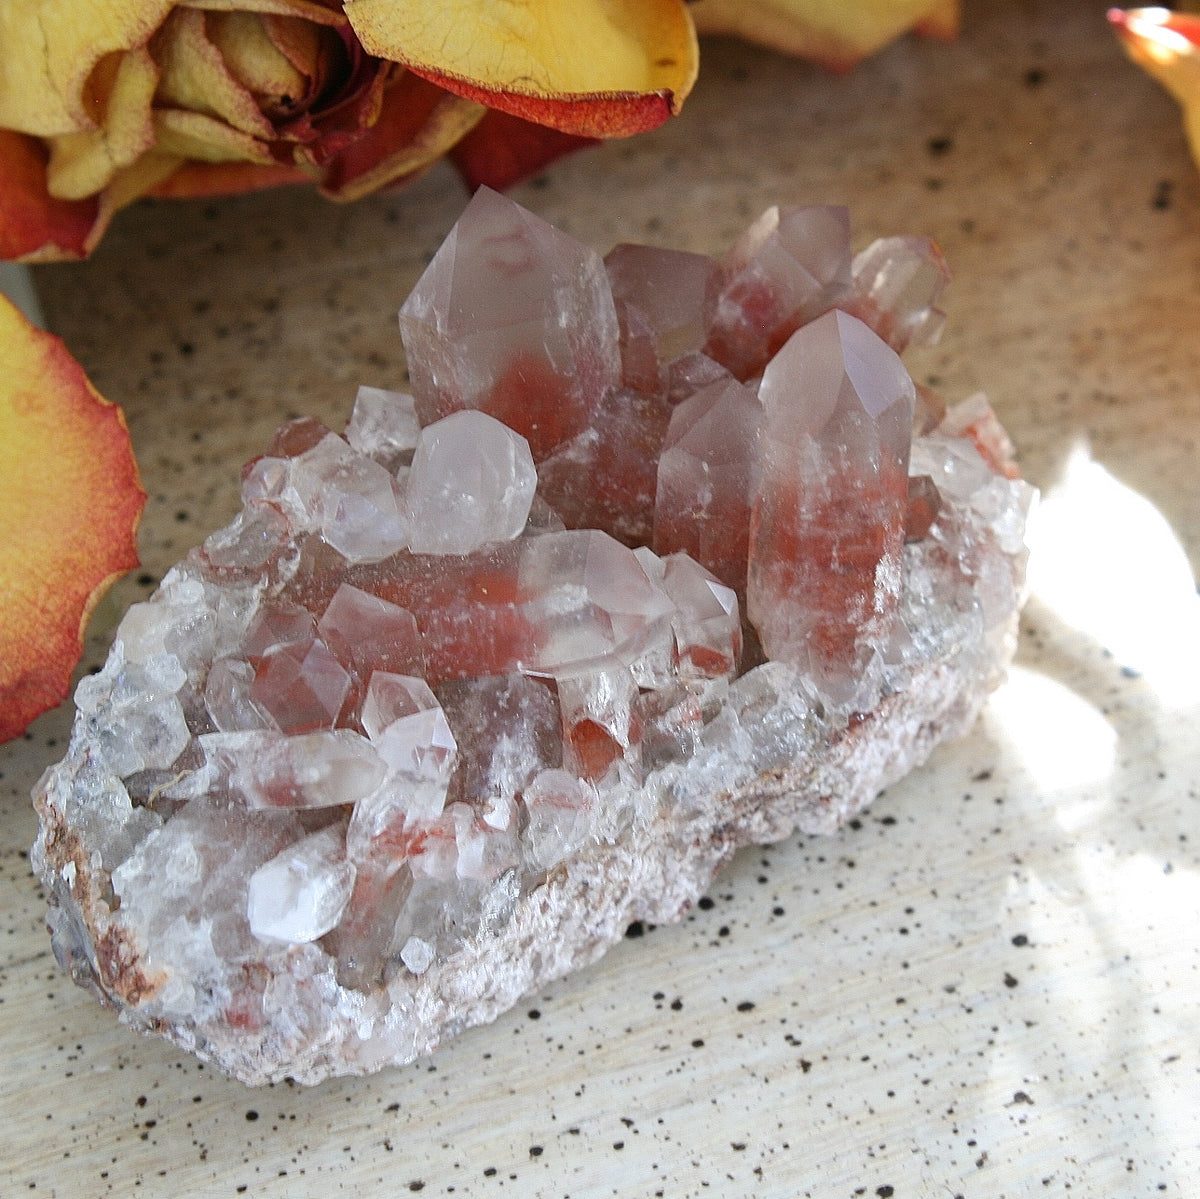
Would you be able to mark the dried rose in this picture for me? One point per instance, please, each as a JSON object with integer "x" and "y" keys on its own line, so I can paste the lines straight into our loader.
{"x": 70, "y": 499}
{"x": 105, "y": 102}
{"x": 837, "y": 35}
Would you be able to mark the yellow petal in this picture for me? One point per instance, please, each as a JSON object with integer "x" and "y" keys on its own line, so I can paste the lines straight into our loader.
{"x": 255, "y": 61}
{"x": 70, "y": 499}
{"x": 307, "y": 10}
{"x": 195, "y": 78}
{"x": 51, "y": 47}
{"x": 1167, "y": 45}
{"x": 837, "y": 33}
{"x": 194, "y": 135}
{"x": 82, "y": 163}
{"x": 594, "y": 67}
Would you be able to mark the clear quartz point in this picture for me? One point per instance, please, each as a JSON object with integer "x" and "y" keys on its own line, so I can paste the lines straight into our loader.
{"x": 707, "y": 476}
{"x": 897, "y": 285}
{"x": 789, "y": 267}
{"x": 472, "y": 482}
{"x": 268, "y": 769}
{"x": 384, "y": 426}
{"x": 367, "y": 633}
{"x": 590, "y": 600}
{"x": 663, "y": 297}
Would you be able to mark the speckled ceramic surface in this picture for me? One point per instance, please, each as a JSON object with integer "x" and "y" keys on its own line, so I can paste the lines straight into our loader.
{"x": 989, "y": 986}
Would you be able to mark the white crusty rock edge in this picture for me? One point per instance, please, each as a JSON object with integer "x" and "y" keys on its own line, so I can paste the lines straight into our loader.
{"x": 771, "y": 763}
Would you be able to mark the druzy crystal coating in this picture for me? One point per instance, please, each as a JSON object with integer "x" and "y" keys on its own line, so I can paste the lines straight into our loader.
{"x": 649, "y": 565}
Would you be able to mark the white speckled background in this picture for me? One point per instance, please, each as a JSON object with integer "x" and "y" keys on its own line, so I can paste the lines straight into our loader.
{"x": 990, "y": 986}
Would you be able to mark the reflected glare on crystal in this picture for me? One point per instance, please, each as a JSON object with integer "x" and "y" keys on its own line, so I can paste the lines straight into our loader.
{"x": 301, "y": 893}
{"x": 417, "y": 955}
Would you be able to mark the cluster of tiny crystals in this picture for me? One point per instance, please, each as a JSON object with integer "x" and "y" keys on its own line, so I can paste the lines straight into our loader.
{"x": 437, "y": 655}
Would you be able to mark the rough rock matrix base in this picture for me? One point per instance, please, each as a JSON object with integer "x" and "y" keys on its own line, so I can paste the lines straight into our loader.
{"x": 664, "y": 556}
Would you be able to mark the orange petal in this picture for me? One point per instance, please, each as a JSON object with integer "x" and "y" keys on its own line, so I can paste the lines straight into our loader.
{"x": 598, "y": 68}
{"x": 837, "y": 35}
{"x": 417, "y": 124}
{"x": 225, "y": 179}
{"x": 34, "y": 226}
{"x": 70, "y": 499}
{"x": 1167, "y": 45}
{"x": 502, "y": 150}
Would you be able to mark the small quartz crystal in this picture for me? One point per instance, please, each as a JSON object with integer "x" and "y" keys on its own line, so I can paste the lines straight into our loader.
{"x": 664, "y": 555}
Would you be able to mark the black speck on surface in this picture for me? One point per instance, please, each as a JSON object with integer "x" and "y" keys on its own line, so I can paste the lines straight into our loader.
{"x": 252, "y": 1115}
{"x": 745, "y": 1006}
{"x": 536, "y": 1150}
{"x": 884, "y": 1191}
{"x": 1035, "y": 77}
{"x": 1009, "y": 980}
{"x": 1020, "y": 940}
{"x": 636, "y": 929}
{"x": 938, "y": 146}
{"x": 705, "y": 903}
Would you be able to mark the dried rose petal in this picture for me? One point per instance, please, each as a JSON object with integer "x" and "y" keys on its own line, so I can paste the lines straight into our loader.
{"x": 70, "y": 499}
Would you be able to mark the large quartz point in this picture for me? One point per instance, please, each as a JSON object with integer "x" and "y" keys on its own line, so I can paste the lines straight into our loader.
{"x": 649, "y": 566}
{"x": 515, "y": 318}
{"x": 827, "y": 531}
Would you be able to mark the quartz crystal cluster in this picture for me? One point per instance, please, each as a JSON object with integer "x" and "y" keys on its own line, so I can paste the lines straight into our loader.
{"x": 663, "y": 555}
